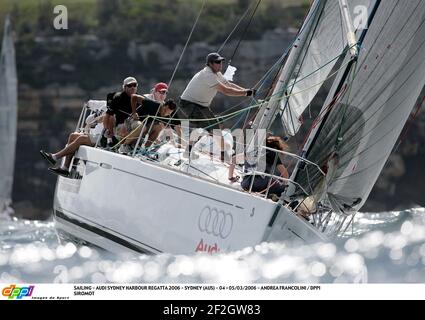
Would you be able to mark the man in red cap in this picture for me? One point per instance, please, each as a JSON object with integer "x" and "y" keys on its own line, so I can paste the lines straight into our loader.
{"x": 158, "y": 92}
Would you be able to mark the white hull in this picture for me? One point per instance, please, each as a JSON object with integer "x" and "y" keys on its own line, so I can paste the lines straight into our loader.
{"x": 122, "y": 202}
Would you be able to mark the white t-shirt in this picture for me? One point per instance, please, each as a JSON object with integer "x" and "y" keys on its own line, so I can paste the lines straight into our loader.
{"x": 203, "y": 87}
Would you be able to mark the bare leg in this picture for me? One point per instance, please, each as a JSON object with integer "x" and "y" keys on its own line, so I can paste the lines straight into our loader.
{"x": 232, "y": 167}
{"x": 75, "y": 141}
{"x": 132, "y": 138}
{"x": 109, "y": 123}
{"x": 156, "y": 130}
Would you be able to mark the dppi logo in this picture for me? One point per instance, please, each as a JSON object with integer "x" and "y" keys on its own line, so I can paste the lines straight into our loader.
{"x": 15, "y": 292}
{"x": 215, "y": 222}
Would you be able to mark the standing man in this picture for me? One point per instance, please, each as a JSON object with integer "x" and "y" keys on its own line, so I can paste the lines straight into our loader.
{"x": 201, "y": 90}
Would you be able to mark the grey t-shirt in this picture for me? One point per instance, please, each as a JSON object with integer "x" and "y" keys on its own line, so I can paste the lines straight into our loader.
{"x": 203, "y": 87}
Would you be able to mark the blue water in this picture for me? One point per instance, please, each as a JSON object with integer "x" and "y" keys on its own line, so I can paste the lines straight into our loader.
{"x": 380, "y": 248}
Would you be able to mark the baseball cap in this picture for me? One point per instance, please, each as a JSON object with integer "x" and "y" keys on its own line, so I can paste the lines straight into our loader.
{"x": 129, "y": 80}
{"x": 214, "y": 56}
{"x": 161, "y": 86}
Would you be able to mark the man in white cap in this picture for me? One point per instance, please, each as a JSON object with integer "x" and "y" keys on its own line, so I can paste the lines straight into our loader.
{"x": 119, "y": 105}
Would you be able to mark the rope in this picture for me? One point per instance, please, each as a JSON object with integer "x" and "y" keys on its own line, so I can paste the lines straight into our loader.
{"x": 234, "y": 114}
{"x": 259, "y": 104}
{"x": 234, "y": 29}
{"x": 244, "y": 32}
{"x": 187, "y": 43}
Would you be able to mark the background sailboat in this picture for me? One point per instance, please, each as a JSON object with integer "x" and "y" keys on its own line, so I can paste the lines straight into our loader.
{"x": 8, "y": 118}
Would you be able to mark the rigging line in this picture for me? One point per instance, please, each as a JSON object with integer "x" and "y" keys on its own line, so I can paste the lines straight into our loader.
{"x": 363, "y": 170}
{"x": 281, "y": 60}
{"x": 385, "y": 134}
{"x": 367, "y": 134}
{"x": 321, "y": 67}
{"x": 382, "y": 56}
{"x": 283, "y": 57}
{"x": 277, "y": 63}
{"x": 363, "y": 35}
{"x": 304, "y": 57}
{"x": 187, "y": 43}
{"x": 348, "y": 68}
{"x": 345, "y": 109}
{"x": 236, "y": 26}
{"x": 244, "y": 32}
{"x": 257, "y": 105}
{"x": 323, "y": 112}
{"x": 385, "y": 87}
{"x": 395, "y": 58}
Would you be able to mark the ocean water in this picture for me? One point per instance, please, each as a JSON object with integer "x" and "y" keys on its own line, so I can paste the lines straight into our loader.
{"x": 384, "y": 247}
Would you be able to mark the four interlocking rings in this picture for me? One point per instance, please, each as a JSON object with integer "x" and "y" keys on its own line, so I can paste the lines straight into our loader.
{"x": 215, "y": 222}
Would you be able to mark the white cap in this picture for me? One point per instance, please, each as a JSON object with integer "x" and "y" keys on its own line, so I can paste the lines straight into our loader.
{"x": 129, "y": 80}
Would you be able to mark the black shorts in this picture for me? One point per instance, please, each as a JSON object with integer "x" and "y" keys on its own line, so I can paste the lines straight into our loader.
{"x": 192, "y": 111}
{"x": 261, "y": 184}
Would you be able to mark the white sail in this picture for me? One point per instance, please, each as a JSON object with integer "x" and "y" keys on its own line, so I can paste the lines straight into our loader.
{"x": 8, "y": 115}
{"x": 327, "y": 42}
{"x": 360, "y": 130}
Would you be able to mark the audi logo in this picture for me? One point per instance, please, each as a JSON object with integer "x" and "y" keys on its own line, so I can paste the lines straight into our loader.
{"x": 215, "y": 222}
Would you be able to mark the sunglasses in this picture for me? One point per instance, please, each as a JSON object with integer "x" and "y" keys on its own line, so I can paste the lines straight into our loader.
{"x": 132, "y": 85}
{"x": 218, "y": 61}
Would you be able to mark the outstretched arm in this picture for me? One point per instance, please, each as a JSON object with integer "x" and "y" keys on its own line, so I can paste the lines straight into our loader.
{"x": 135, "y": 99}
{"x": 229, "y": 90}
{"x": 283, "y": 171}
{"x": 235, "y": 86}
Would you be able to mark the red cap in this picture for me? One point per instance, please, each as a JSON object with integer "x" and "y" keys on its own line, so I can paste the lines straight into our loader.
{"x": 161, "y": 86}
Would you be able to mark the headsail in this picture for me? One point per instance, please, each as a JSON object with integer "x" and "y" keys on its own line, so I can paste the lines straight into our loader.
{"x": 358, "y": 133}
{"x": 326, "y": 44}
{"x": 268, "y": 111}
{"x": 8, "y": 115}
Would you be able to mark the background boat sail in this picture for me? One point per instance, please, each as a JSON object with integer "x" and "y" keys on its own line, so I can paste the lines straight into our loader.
{"x": 115, "y": 199}
{"x": 8, "y": 117}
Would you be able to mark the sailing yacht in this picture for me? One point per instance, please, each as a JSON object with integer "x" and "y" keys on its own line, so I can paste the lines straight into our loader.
{"x": 8, "y": 118}
{"x": 163, "y": 200}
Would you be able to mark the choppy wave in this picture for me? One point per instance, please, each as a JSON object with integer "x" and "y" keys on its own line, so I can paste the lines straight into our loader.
{"x": 380, "y": 248}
